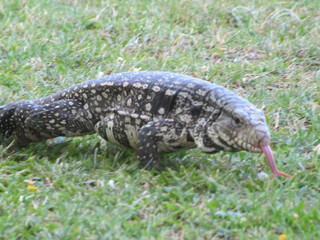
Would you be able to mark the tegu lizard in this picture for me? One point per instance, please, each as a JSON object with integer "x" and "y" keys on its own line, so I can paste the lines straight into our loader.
{"x": 151, "y": 112}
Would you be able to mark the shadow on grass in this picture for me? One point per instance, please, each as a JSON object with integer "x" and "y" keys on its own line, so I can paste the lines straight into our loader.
{"x": 91, "y": 151}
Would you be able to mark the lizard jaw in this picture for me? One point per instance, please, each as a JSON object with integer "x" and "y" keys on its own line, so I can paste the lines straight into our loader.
{"x": 268, "y": 153}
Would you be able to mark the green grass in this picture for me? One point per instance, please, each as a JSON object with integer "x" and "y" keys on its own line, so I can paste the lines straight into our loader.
{"x": 266, "y": 51}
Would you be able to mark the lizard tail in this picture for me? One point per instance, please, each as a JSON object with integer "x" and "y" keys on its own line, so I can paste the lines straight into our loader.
{"x": 7, "y": 123}
{"x": 27, "y": 121}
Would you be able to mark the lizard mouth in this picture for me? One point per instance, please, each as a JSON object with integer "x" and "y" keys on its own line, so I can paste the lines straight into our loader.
{"x": 254, "y": 149}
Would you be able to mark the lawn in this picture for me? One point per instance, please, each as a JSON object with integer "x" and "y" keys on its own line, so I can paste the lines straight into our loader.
{"x": 267, "y": 51}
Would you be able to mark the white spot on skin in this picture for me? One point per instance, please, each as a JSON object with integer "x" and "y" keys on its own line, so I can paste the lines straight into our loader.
{"x": 119, "y": 97}
{"x": 186, "y": 118}
{"x": 93, "y": 85}
{"x": 70, "y": 103}
{"x": 145, "y": 117}
{"x": 104, "y": 94}
{"x": 127, "y": 119}
{"x": 184, "y": 94}
{"x": 86, "y": 106}
{"x": 209, "y": 109}
{"x": 197, "y": 103}
{"x": 93, "y": 91}
{"x": 125, "y": 84}
{"x": 137, "y": 85}
{"x": 161, "y": 111}
{"x": 164, "y": 129}
{"x": 98, "y": 110}
{"x": 85, "y": 95}
{"x": 170, "y": 92}
{"x": 201, "y": 92}
{"x": 99, "y": 98}
{"x": 129, "y": 102}
{"x": 107, "y": 84}
{"x": 52, "y": 121}
{"x": 156, "y": 88}
{"x": 178, "y": 110}
{"x": 148, "y": 106}
{"x": 124, "y": 113}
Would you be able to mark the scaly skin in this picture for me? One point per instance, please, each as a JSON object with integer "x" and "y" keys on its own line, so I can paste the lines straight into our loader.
{"x": 152, "y": 112}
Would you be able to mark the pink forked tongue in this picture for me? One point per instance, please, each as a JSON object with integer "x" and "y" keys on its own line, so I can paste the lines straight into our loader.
{"x": 267, "y": 151}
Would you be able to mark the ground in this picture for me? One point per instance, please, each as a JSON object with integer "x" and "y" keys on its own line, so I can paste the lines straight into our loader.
{"x": 82, "y": 188}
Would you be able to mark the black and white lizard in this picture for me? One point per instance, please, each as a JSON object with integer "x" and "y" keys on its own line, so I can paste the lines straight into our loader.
{"x": 152, "y": 112}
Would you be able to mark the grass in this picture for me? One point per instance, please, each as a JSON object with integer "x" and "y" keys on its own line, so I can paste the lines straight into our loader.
{"x": 83, "y": 188}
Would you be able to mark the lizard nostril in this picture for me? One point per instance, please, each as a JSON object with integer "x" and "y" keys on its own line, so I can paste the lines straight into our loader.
{"x": 265, "y": 140}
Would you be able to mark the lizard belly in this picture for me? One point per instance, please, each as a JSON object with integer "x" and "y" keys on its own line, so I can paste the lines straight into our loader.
{"x": 132, "y": 133}
{"x": 120, "y": 129}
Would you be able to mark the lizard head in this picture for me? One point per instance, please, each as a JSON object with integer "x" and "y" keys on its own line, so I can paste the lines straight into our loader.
{"x": 232, "y": 130}
{"x": 233, "y": 125}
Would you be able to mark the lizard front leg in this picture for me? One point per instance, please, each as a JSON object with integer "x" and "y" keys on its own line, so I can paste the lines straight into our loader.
{"x": 162, "y": 136}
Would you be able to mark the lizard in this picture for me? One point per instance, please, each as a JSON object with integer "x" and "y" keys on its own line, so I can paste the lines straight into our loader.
{"x": 152, "y": 112}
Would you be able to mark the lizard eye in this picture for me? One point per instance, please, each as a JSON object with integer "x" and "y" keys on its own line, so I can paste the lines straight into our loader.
{"x": 237, "y": 121}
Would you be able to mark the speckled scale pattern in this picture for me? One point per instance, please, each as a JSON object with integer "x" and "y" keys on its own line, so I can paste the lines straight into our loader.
{"x": 152, "y": 112}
